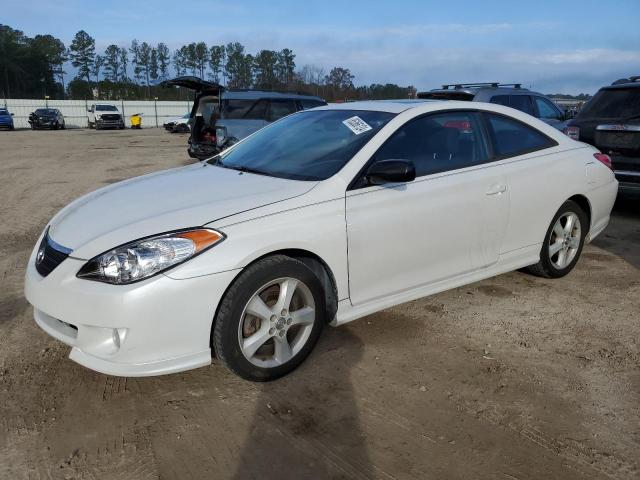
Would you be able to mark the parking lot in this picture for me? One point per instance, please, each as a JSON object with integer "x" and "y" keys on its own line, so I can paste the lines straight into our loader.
{"x": 515, "y": 377}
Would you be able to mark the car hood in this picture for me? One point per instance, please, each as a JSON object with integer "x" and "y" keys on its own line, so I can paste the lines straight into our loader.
{"x": 160, "y": 202}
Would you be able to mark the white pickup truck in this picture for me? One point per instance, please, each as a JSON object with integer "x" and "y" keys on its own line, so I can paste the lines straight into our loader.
{"x": 104, "y": 115}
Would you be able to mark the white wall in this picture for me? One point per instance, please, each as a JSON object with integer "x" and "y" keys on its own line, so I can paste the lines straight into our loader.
{"x": 75, "y": 111}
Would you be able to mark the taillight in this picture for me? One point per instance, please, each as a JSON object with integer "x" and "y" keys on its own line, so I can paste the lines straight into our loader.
{"x": 601, "y": 157}
{"x": 572, "y": 132}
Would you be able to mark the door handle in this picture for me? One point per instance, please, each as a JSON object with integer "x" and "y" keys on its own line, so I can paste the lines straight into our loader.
{"x": 497, "y": 189}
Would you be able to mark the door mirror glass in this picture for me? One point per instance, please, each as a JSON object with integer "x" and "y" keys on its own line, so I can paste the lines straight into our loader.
{"x": 391, "y": 171}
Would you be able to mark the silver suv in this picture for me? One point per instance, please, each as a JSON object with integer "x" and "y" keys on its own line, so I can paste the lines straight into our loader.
{"x": 220, "y": 117}
{"x": 507, "y": 94}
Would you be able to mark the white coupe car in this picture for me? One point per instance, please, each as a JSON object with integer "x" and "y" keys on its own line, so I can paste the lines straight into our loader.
{"x": 325, "y": 216}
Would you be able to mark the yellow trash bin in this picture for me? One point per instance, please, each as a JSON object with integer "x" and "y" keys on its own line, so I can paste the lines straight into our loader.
{"x": 136, "y": 120}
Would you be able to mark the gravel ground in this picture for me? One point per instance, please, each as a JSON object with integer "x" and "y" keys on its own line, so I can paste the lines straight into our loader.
{"x": 514, "y": 377}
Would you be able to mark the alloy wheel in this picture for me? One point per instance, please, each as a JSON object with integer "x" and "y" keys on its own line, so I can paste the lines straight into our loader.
{"x": 276, "y": 322}
{"x": 565, "y": 239}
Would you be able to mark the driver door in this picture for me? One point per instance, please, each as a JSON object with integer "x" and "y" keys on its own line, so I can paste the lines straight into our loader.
{"x": 447, "y": 222}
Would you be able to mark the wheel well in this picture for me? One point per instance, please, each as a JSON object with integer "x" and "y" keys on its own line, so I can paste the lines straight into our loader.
{"x": 317, "y": 266}
{"x": 583, "y": 202}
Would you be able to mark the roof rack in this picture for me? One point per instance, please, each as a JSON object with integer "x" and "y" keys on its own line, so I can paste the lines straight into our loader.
{"x": 474, "y": 85}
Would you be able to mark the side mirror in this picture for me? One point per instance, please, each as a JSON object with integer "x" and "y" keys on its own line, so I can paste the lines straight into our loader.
{"x": 12, "y": 114}
{"x": 390, "y": 171}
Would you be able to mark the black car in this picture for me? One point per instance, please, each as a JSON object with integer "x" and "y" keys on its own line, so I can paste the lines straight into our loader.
{"x": 610, "y": 121}
{"x": 50, "y": 118}
{"x": 507, "y": 94}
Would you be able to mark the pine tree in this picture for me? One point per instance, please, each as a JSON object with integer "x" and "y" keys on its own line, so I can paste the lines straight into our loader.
{"x": 163, "y": 60}
{"x": 112, "y": 62}
{"x": 82, "y": 53}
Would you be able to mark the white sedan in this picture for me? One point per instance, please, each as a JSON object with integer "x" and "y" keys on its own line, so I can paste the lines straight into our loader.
{"x": 325, "y": 216}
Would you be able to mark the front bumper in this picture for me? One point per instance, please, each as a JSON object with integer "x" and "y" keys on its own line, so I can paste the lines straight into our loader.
{"x": 153, "y": 327}
{"x": 109, "y": 123}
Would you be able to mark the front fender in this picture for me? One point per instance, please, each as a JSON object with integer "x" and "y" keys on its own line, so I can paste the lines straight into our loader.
{"x": 318, "y": 229}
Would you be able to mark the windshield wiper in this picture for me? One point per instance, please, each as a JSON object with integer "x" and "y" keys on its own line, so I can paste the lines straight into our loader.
{"x": 240, "y": 168}
{"x": 632, "y": 117}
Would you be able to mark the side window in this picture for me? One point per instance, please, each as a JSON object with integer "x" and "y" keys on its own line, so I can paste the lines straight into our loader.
{"x": 258, "y": 111}
{"x": 522, "y": 103}
{"x": 437, "y": 143}
{"x": 547, "y": 110}
{"x": 234, "y": 109}
{"x": 280, "y": 108}
{"x": 307, "y": 104}
{"x": 501, "y": 100}
{"x": 511, "y": 137}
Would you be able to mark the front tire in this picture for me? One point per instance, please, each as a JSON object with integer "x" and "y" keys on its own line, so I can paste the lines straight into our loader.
{"x": 563, "y": 242}
{"x": 270, "y": 319}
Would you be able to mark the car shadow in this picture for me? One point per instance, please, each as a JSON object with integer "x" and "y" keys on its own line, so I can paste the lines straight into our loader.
{"x": 306, "y": 425}
{"x": 622, "y": 236}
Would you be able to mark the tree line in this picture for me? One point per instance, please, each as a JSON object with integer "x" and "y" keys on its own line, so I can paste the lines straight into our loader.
{"x": 35, "y": 67}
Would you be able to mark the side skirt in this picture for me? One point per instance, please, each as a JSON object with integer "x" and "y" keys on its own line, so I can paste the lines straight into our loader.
{"x": 508, "y": 262}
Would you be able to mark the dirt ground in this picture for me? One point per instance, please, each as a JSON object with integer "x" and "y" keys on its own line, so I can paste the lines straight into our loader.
{"x": 514, "y": 377}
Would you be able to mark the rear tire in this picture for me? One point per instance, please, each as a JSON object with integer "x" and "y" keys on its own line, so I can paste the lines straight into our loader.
{"x": 563, "y": 242}
{"x": 279, "y": 303}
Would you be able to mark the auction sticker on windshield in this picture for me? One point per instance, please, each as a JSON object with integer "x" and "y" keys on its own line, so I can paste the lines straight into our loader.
{"x": 357, "y": 125}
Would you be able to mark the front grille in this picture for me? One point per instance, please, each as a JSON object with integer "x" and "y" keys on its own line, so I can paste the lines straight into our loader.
{"x": 48, "y": 256}
{"x": 110, "y": 117}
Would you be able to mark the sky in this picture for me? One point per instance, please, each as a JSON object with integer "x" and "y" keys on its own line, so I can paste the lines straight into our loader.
{"x": 551, "y": 46}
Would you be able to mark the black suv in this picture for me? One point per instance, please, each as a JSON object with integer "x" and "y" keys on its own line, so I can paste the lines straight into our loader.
{"x": 507, "y": 94}
{"x": 610, "y": 121}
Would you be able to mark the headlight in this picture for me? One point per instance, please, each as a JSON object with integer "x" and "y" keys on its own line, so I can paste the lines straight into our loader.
{"x": 149, "y": 256}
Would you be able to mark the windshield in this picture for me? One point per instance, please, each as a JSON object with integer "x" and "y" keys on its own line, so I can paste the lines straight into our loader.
{"x": 106, "y": 108}
{"x": 615, "y": 103}
{"x": 45, "y": 111}
{"x": 310, "y": 145}
{"x": 4, "y": 112}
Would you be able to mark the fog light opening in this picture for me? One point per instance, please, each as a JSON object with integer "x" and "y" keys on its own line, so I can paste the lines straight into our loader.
{"x": 116, "y": 338}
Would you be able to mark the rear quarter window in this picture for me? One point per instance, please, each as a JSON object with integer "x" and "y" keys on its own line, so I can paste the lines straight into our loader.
{"x": 510, "y": 137}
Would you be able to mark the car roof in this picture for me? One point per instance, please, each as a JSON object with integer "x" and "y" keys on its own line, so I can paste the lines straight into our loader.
{"x": 258, "y": 94}
{"x": 622, "y": 86}
{"x": 391, "y": 106}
